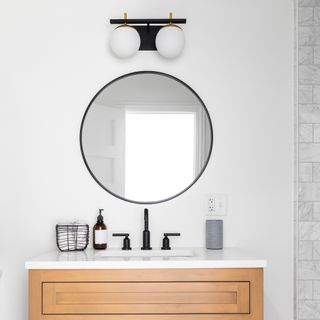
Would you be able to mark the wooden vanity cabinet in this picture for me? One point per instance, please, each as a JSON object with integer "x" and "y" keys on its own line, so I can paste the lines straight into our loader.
{"x": 141, "y": 294}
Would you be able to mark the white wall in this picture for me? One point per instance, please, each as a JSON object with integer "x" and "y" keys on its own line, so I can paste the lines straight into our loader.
{"x": 238, "y": 58}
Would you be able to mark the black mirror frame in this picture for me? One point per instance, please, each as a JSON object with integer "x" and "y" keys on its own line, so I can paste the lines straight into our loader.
{"x": 139, "y": 73}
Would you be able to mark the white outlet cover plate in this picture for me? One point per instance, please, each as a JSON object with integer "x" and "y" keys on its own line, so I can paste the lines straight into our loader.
{"x": 217, "y": 205}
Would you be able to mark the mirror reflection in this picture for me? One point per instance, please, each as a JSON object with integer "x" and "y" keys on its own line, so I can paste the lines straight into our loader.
{"x": 146, "y": 137}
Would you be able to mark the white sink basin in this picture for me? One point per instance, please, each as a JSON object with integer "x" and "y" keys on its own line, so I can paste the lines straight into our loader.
{"x": 136, "y": 253}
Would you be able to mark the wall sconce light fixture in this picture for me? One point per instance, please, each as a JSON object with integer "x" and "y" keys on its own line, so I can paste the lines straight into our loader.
{"x": 132, "y": 35}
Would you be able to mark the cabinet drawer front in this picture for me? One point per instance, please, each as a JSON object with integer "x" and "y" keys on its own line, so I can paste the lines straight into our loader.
{"x": 146, "y": 298}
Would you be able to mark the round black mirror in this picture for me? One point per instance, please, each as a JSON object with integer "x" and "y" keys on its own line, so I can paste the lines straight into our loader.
{"x": 146, "y": 137}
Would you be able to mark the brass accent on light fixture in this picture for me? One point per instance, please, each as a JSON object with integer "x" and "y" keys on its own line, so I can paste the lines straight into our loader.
{"x": 125, "y": 23}
{"x": 170, "y": 17}
{"x": 171, "y": 24}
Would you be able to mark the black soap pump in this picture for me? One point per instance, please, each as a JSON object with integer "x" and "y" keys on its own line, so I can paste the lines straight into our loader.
{"x": 100, "y": 233}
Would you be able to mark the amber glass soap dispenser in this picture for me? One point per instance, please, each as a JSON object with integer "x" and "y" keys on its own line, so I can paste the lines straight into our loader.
{"x": 100, "y": 233}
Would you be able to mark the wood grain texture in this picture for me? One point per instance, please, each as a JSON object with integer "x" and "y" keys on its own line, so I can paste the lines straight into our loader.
{"x": 145, "y": 297}
{"x": 147, "y": 286}
{"x": 35, "y": 295}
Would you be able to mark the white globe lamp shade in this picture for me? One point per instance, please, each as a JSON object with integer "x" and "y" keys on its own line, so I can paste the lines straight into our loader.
{"x": 125, "y": 41}
{"x": 170, "y": 41}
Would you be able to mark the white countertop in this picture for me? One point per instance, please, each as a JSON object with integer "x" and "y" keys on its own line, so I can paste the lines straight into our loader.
{"x": 203, "y": 258}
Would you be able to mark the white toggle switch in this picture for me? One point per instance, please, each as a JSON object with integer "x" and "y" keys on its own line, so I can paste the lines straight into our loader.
{"x": 217, "y": 205}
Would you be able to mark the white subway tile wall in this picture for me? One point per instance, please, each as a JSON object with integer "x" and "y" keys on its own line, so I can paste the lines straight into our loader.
{"x": 308, "y": 244}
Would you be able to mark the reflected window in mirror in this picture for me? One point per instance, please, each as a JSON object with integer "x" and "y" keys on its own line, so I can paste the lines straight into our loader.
{"x": 157, "y": 132}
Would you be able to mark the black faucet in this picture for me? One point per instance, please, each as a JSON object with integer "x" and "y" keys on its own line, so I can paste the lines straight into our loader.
{"x": 146, "y": 232}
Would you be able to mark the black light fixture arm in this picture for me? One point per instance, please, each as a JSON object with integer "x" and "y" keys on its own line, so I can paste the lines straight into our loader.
{"x": 148, "y": 21}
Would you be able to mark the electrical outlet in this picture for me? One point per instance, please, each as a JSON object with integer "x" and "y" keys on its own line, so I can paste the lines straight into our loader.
{"x": 217, "y": 205}
{"x": 211, "y": 206}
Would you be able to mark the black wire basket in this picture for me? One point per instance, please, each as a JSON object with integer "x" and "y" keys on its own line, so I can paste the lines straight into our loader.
{"x": 72, "y": 237}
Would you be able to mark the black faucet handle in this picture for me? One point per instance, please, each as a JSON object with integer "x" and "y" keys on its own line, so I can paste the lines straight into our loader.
{"x": 174, "y": 234}
{"x": 121, "y": 234}
{"x": 166, "y": 240}
{"x": 126, "y": 240}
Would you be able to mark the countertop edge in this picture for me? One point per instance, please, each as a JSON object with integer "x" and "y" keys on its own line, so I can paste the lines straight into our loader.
{"x": 202, "y": 258}
{"x": 39, "y": 265}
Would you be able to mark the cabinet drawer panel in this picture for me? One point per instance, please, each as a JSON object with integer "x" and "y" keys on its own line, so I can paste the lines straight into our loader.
{"x": 145, "y": 297}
